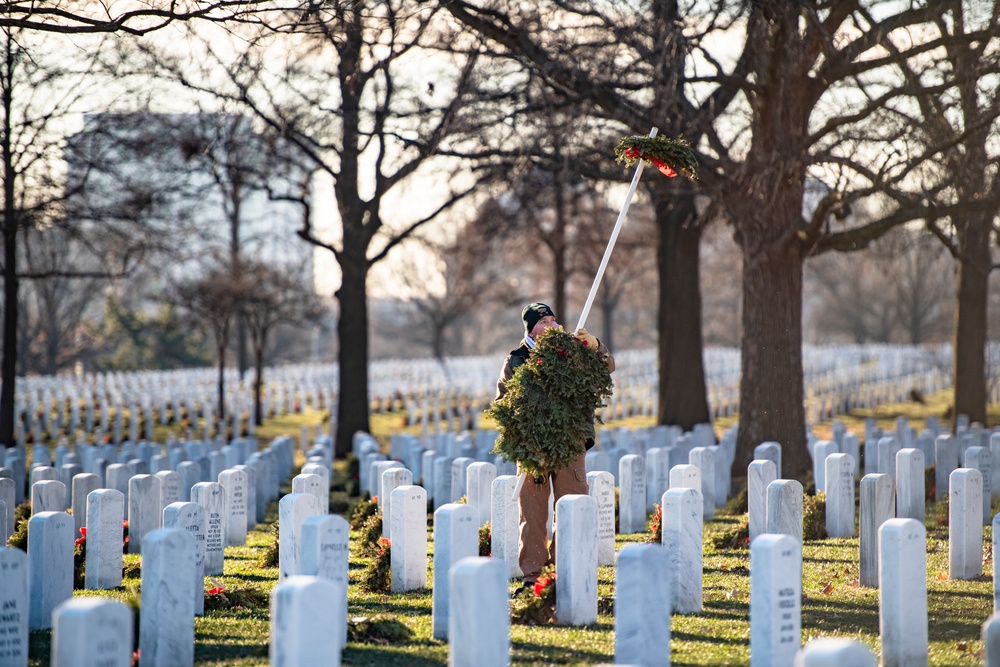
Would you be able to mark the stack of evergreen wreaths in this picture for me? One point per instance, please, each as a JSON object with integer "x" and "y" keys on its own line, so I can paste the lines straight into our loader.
{"x": 549, "y": 408}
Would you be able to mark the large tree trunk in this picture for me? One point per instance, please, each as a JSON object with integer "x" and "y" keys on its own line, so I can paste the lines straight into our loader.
{"x": 971, "y": 320}
{"x": 352, "y": 330}
{"x": 771, "y": 388}
{"x": 221, "y": 397}
{"x": 258, "y": 381}
{"x": 242, "y": 349}
{"x": 8, "y": 366}
{"x": 682, "y": 399}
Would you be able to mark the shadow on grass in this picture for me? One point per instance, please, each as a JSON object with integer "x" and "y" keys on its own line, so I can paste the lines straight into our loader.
{"x": 739, "y": 570}
{"x": 838, "y": 616}
{"x": 394, "y": 607}
{"x": 734, "y": 610}
{"x": 39, "y": 646}
{"x": 825, "y": 560}
{"x": 224, "y": 652}
{"x": 250, "y": 576}
{"x": 705, "y": 639}
{"x": 392, "y": 656}
{"x": 531, "y": 652}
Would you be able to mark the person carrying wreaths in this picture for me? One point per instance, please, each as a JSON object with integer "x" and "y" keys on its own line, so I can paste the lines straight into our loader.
{"x": 547, "y": 393}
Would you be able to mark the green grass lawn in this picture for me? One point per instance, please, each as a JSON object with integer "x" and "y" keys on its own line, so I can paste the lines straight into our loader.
{"x": 833, "y": 602}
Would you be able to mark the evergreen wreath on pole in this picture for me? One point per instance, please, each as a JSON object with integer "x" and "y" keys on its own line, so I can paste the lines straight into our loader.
{"x": 670, "y": 156}
{"x": 549, "y": 408}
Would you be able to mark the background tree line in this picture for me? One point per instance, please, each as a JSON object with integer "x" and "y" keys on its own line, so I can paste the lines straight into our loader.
{"x": 836, "y": 140}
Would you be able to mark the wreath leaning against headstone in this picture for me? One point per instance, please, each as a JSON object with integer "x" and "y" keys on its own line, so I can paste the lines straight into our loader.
{"x": 549, "y": 408}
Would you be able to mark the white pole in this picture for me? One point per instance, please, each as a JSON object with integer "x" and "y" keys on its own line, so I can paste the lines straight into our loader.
{"x": 600, "y": 271}
{"x": 614, "y": 237}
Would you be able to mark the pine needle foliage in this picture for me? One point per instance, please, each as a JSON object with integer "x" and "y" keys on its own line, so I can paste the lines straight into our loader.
{"x": 674, "y": 153}
{"x": 549, "y": 408}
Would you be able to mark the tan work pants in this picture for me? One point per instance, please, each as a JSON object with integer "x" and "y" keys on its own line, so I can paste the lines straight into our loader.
{"x": 533, "y": 549}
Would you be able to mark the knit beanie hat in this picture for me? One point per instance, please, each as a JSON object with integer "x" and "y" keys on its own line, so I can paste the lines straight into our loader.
{"x": 532, "y": 313}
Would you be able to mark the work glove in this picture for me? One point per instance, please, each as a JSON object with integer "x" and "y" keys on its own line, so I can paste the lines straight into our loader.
{"x": 586, "y": 338}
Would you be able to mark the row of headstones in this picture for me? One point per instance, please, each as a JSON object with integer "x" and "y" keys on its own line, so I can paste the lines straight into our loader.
{"x": 142, "y": 458}
{"x": 641, "y": 484}
{"x": 98, "y": 631}
{"x": 145, "y": 495}
{"x": 211, "y": 521}
{"x": 771, "y": 595}
{"x": 149, "y": 456}
{"x": 470, "y": 595}
{"x": 146, "y": 415}
{"x": 311, "y": 384}
{"x": 421, "y": 455}
{"x": 906, "y": 465}
{"x": 773, "y": 503}
{"x": 229, "y": 506}
{"x": 44, "y": 398}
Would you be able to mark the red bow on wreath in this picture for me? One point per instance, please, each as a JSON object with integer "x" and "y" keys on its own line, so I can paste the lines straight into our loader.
{"x": 634, "y": 154}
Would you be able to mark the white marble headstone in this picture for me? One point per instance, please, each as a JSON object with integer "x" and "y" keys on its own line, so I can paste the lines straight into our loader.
{"x": 50, "y": 556}
{"x": 456, "y": 536}
{"x": 317, "y": 486}
{"x": 980, "y": 458}
{"x": 83, "y": 484}
{"x": 478, "y": 488}
{"x": 682, "y": 538}
{"x": 878, "y": 505}
{"x": 910, "y": 484}
{"x": 965, "y": 532}
{"x": 642, "y": 606}
{"x": 760, "y": 473}
{"x": 601, "y": 487}
{"x": 190, "y": 517}
{"x": 92, "y": 632}
{"x": 775, "y": 600}
{"x": 784, "y": 508}
{"x": 408, "y": 535}
{"x": 105, "y": 532}
{"x": 479, "y": 618}
{"x": 834, "y": 652}
{"x": 945, "y": 461}
{"x": 301, "y": 622}
{"x": 14, "y": 602}
{"x": 903, "y": 592}
{"x": 392, "y": 478}
{"x": 234, "y": 483}
{"x": 293, "y": 510}
{"x": 576, "y": 560}
{"x": 325, "y": 554}
{"x": 770, "y": 451}
{"x": 505, "y": 523}
{"x": 212, "y": 497}
{"x": 48, "y": 495}
{"x": 144, "y": 509}
{"x": 632, "y": 494}
{"x": 839, "y": 495}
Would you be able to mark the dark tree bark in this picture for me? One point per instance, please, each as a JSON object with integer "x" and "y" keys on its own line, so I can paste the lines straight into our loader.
{"x": 11, "y": 287}
{"x": 352, "y": 356}
{"x": 682, "y": 371}
{"x": 771, "y": 395}
{"x": 258, "y": 385}
{"x": 969, "y": 346}
{"x": 221, "y": 344}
